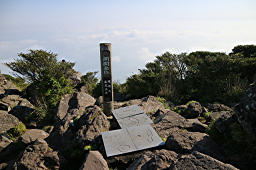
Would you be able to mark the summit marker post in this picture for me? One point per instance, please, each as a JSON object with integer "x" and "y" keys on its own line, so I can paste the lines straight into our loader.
{"x": 106, "y": 77}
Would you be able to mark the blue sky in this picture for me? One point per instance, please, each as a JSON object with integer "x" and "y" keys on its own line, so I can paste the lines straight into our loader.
{"x": 138, "y": 29}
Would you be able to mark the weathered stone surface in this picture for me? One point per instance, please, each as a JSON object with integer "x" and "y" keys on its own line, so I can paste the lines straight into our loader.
{"x": 156, "y": 160}
{"x": 23, "y": 113}
{"x": 169, "y": 123}
{"x": 91, "y": 124}
{"x": 193, "y": 110}
{"x": 63, "y": 106}
{"x": 73, "y": 109}
{"x": 32, "y": 135}
{"x": 185, "y": 142}
{"x": 7, "y": 121}
{"x": 38, "y": 156}
{"x": 200, "y": 161}
{"x": 94, "y": 160}
{"x": 13, "y": 100}
{"x": 194, "y": 125}
{"x": 224, "y": 121}
{"x": 148, "y": 104}
{"x": 246, "y": 111}
{"x": 4, "y": 142}
{"x": 76, "y": 77}
{"x": 5, "y": 85}
{"x": 218, "y": 107}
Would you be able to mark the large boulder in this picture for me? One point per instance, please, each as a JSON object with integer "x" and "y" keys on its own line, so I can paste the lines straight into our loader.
{"x": 91, "y": 124}
{"x": 24, "y": 114}
{"x": 217, "y": 107}
{"x": 76, "y": 77}
{"x": 194, "y": 125}
{"x": 77, "y": 130}
{"x": 185, "y": 142}
{"x": 5, "y": 85}
{"x": 194, "y": 110}
{"x": 148, "y": 104}
{"x": 32, "y": 135}
{"x": 197, "y": 161}
{"x": 78, "y": 101}
{"x": 169, "y": 122}
{"x": 38, "y": 156}
{"x": 4, "y": 142}
{"x": 164, "y": 159}
{"x": 246, "y": 111}
{"x": 7, "y": 121}
{"x": 156, "y": 160}
{"x": 10, "y": 101}
{"x": 63, "y": 106}
{"x": 94, "y": 160}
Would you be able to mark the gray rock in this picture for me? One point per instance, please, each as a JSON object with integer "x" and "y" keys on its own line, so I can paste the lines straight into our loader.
{"x": 91, "y": 124}
{"x": 185, "y": 142}
{"x": 194, "y": 125}
{"x": 70, "y": 108}
{"x": 218, "y": 107}
{"x": 156, "y": 160}
{"x": 224, "y": 121}
{"x": 32, "y": 135}
{"x": 199, "y": 161}
{"x": 170, "y": 122}
{"x": 38, "y": 156}
{"x": 76, "y": 77}
{"x": 193, "y": 110}
{"x": 4, "y": 142}
{"x": 94, "y": 160}
{"x": 148, "y": 104}
{"x": 23, "y": 113}
{"x": 246, "y": 111}
{"x": 11, "y": 101}
{"x": 7, "y": 121}
{"x": 77, "y": 130}
{"x": 63, "y": 106}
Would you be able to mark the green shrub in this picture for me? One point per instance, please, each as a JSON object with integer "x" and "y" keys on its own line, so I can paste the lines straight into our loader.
{"x": 192, "y": 101}
{"x": 17, "y": 131}
{"x": 50, "y": 78}
{"x": 206, "y": 115}
{"x": 163, "y": 101}
{"x": 163, "y": 139}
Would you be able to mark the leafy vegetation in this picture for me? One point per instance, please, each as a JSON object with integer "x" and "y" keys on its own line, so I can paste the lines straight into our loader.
{"x": 204, "y": 76}
{"x": 17, "y": 131}
{"x": 49, "y": 78}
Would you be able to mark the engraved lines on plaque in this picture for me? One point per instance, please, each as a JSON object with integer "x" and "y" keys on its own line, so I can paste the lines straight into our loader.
{"x": 131, "y": 116}
{"x": 130, "y": 139}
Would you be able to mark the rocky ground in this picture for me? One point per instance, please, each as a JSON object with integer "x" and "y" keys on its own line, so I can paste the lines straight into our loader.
{"x": 74, "y": 141}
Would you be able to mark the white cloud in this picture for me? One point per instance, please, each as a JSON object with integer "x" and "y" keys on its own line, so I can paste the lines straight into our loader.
{"x": 116, "y": 59}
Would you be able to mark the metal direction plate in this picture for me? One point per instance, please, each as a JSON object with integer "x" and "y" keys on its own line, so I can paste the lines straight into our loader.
{"x": 130, "y": 139}
{"x": 136, "y": 120}
{"x": 127, "y": 111}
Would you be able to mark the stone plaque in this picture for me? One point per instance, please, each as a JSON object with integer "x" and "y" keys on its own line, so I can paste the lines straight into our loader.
{"x": 127, "y": 111}
{"x": 130, "y": 139}
{"x": 131, "y": 116}
{"x": 136, "y": 120}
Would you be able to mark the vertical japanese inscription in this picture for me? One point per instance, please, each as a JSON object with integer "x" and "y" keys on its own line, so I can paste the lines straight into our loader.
{"x": 106, "y": 77}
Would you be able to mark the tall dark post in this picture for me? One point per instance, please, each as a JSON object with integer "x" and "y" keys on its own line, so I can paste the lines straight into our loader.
{"x": 106, "y": 77}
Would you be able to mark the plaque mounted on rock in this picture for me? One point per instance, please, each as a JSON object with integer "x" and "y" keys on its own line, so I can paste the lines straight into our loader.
{"x": 131, "y": 116}
{"x": 130, "y": 139}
